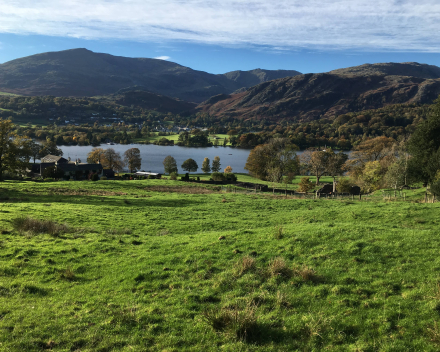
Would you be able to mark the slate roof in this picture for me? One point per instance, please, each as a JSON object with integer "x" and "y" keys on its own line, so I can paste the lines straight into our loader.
{"x": 53, "y": 158}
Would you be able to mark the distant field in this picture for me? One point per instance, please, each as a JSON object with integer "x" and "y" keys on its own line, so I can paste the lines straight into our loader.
{"x": 160, "y": 265}
{"x": 5, "y": 93}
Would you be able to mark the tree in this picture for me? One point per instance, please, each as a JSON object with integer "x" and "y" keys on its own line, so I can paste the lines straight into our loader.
{"x": 189, "y": 165}
{"x": 216, "y": 164}
{"x": 315, "y": 162}
{"x": 34, "y": 150}
{"x": 205, "y": 166}
{"x": 227, "y": 170}
{"x": 14, "y": 150}
{"x": 169, "y": 165}
{"x": 424, "y": 146}
{"x": 277, "y": 158}
{"x": 132, "y": 158}
{"x": 376, "y": 149}
{"x": 112, "y": 160}
{"x": 335, "y": 165}
{"x": 95, "y": 156}
{"x": 50, "y": 148}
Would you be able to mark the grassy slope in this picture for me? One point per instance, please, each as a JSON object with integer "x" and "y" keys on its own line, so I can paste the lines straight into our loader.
{"x": 376, "y": 263}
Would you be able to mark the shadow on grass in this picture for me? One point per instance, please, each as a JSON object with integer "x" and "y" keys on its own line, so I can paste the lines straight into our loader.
{"x": 14, "y": 196}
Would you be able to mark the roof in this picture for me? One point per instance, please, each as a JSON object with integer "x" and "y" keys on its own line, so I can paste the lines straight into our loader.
{"x": 53, "y": 158}
{"x": 143, "y": 173}
{"x": 71, "y": 166}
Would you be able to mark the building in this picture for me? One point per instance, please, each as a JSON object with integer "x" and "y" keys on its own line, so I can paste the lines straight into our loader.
{"x": 72, "y": 169}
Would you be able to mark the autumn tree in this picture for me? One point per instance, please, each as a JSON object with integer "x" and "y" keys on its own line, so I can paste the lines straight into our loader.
{"x": 335, "y": 165}
{"x": 95, "y": 156}
{"x": 273, "y": 160}
{"x": 132, "y": 158}
{"x": 112, "y": 160}
{"x": 206, "y": 168}
{"x": 216, "y": 164}
{"x": 315, "y": 162}
{"x": 228, "y": 170}
{"x": 169, "y": 165}
{"x": 190, "y": 165}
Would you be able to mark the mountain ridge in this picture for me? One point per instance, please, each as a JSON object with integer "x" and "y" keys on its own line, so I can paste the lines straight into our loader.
{"x": 81, "y": 72}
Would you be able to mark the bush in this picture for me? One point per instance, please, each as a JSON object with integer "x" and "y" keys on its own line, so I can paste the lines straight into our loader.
{"x": 305, "y": 185}
{"x": 344, "y": 185}
{"x": 151, "y": 177}
{"x": 173, "y": 176}
{"x": 230, "y": 177}
{"x": 218, "y": 176}
{"x": 94, "y": 177}
{"x": 103, "y": 178}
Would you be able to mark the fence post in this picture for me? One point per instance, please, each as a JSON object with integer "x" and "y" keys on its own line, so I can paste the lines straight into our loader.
{"x": 360, "y": 196}
{"x": 404, "y": 196}
{"x": 426, "y": 197}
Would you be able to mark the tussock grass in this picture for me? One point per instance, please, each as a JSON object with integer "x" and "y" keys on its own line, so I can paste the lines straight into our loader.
{"x": 279, "y": 268}
{"x": 237, "y": 323}
{"x": 35, "y": 226}
{"x": 244, "y": 265}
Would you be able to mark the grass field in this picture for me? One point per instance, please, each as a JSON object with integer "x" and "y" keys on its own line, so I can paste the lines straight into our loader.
{"x": 160, "y": 265}
{"x": 175, "y": 137}
{"x": 11, "y": 94}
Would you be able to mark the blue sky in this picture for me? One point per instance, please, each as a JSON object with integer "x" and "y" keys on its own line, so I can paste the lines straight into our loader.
{"x": 220, "y": 36}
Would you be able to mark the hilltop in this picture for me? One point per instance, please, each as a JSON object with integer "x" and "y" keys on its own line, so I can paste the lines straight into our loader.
{"x": 81, "y": 72}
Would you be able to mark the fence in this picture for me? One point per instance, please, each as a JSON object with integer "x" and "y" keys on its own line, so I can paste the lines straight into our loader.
{"x": 293, "y": 194}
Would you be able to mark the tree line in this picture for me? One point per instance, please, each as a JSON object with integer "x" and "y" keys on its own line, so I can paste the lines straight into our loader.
{"x": 375, "y": 163}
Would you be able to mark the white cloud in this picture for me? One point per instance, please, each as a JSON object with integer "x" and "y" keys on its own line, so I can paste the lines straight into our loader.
{"x": 318, "y": 24}
{"x": 162, "y": 58}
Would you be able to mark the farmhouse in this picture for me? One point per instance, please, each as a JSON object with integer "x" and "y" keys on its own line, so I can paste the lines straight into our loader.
{"x": 72, "y": 169}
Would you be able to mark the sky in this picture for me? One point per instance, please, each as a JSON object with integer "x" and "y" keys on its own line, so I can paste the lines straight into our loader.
{"x": 218, "y": 36}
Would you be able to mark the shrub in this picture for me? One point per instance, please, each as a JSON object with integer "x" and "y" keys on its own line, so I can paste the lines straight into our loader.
{"x": 53, "y": 172}
{"x": 305, "y": 185}
{"x": 103, "y": 178}
{"x": 218, "y": 176}
{"x": 173, "y": 176}
{"x": 94, "y": 177}
{"x": 344, "y": 185}
{"x": 151, "y": 177}
{"x": 35, "y": 226}
{"x": 230, "y": 177}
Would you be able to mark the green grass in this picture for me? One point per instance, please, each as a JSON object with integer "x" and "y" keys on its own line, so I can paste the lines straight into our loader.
{"x": 161, "y": 265}
{"x": 11, "y": 94}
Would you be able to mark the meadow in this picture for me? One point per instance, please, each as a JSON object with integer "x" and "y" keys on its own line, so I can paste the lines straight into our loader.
{"x": 161, "y": 265}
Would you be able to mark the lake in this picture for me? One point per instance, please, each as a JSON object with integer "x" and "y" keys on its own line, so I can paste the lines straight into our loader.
{"x": 153, "y": 155}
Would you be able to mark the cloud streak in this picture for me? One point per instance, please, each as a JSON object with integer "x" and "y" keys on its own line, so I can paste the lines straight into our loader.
{"x": 364, "y": 25}
{"x": 162, "y": 58}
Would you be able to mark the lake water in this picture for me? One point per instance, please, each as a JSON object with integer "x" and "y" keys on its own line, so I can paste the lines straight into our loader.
{"x": 153, "y": 155}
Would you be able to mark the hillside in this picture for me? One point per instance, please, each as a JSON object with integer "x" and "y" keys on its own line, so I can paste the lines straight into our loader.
{"x": 326, "y": 95}
{"x": 81, "y": 72}
{"x": 160, "y": 265}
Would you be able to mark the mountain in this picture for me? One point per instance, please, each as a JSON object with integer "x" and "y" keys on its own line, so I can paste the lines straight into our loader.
{"x": 152, "y": 101}
{"x": 254, "y": 77}
{"x": 312, "y": 96}
{"x": 413, "y": 69}
{"x": 81, "y": 72}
